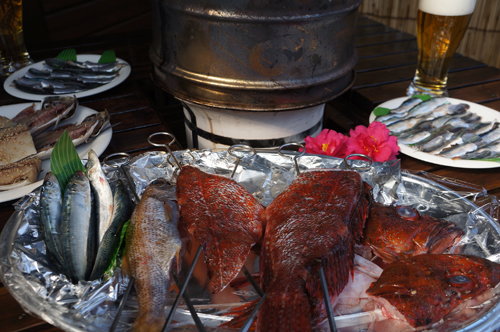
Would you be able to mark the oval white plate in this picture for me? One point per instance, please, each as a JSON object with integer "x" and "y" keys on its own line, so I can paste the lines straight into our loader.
{"x": 99, "y": 144}
{"x": 486, "y": 114}
{"x": 12, "y": 90}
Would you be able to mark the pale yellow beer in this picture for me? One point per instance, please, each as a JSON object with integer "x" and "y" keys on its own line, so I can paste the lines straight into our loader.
{"x": 441, "y": 25}
{"x": 13, "y": 53}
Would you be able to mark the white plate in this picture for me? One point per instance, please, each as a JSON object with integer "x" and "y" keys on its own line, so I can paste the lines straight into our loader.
{"x": 99, "y": 144}
{"x": 12, "y": 90}
{"x": 486, "y": 114}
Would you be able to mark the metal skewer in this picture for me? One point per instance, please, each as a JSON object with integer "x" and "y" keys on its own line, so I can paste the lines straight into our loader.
{"x": 365, "y": 168}
{"x": 295, "y": 157}
{"x": 120, "y": 165}
{"x": 122, "y": 304}
{"x": 190, "y": 306}
{"x": 252, "y": 281}
{"x": 250, "y": 319}
{"x": 326, "y": 298}
{"x": 166, "y": 146}
{"x": 182, "y": 289}
{"x": 242, "y": 147}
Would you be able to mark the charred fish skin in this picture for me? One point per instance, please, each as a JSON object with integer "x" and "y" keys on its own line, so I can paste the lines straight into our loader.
{"x": 425, "y": 288}
{"x": 77, "y": 225}
{"x": 121, "y": 213}
{"x": 102, "y": 193}
{"x": 312, "y": 224}
{"x": 152, "y": 245}
{"x": 224, "y": 217}
{"x": 50, "y": 218}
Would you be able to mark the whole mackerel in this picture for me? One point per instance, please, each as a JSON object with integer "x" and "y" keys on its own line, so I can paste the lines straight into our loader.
{"x": 78, "y": 226}
{"x": 102, "y": 193}
{"x": 111, "y": 239}
{"x": 152, "y": 245}
{"x": 50, "y": 218}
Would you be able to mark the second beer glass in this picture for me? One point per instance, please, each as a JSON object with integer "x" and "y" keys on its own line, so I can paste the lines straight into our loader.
{"x": 13, "y": 53}
{"x": 441, "y": 25}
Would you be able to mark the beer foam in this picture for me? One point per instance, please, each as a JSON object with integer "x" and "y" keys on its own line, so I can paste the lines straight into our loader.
{"x": 447, "y": 7}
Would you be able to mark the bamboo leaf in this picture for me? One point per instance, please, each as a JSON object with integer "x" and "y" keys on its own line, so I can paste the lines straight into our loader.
{"x": 422, "y": 97}
{"x": 381, "y": 111}
{"x": 117, "y": 256}
{"x": 64, "y": 160}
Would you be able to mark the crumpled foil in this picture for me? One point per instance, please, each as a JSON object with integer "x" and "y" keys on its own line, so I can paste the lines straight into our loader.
{"x": 92, "y": 306}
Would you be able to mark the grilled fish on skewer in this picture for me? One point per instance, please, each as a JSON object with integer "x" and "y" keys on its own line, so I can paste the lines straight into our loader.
{"x": 222, "y": 216}
{"x": 313, "y": 223}
{"x": 152, "y": 245}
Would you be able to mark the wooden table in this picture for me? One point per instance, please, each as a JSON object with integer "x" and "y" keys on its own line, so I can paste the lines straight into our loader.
{"x": 138, "y": 108}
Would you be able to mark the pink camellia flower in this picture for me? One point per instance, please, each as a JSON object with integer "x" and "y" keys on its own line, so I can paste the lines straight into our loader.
{"x": 374, "y": 141}
{"x": 328, "y": 142}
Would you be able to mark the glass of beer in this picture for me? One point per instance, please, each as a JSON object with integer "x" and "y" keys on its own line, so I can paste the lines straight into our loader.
{"x": 13, "y": 53}
{"x": 441, "y": 25}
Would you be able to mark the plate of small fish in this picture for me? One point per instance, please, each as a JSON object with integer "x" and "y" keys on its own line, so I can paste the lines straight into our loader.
{"x": 83, "y": 117}
{"x": 444, "y": 131}
{"x": 85, "y": 77}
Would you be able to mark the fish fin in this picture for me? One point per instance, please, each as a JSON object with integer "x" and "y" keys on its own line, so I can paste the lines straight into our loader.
{"x": 285, "y": 309}
{"x": 242, "y": 312}
{"x": 226, "y": 260}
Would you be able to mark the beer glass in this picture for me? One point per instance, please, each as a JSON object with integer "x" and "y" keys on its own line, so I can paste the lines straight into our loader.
{"x": 13, "y": 53}
{"x": 441, "y": 25}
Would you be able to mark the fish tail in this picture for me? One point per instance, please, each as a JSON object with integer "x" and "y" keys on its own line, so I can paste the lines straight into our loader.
{"x": 242, "y": 313}
{"x": 146, "y": 323}
{"x": 285, "y": 309}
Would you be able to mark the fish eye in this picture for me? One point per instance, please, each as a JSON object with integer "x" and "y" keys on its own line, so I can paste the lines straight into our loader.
{"x": 407, "y": 212}
{"x": 459, "y": 280}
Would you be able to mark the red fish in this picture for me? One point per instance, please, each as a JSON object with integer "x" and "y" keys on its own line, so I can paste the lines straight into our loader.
{"x": 221, "y": 215}
{"x": 313, "y": 223}
{"x": 400, "y": 232}
{"x": 423, "y": 289}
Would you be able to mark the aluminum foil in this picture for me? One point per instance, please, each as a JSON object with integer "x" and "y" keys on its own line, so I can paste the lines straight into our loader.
{"x": 92, "y": 306}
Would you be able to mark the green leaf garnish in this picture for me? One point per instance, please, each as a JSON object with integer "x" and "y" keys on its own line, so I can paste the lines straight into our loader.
{"x": 489, "y": 159}
{"x": 422, "y": 97}
{"x": 68, "y": 54}
{"x": 107, "y": 57}
{"x": 64, "y": 160}
{"x": 381, "y": 111}
{"x": 117, "y": 257}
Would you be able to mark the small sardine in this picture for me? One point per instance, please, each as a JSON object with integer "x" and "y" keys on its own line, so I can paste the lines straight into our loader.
{"x": 50, "y": 218}
{"x": 458, "y": 150}
{"x": 102, "y": 193}
{"x": 490, "y": 151}
{"x": 417, "y": 137}
{"x": 36, "y": 74}
{"x": 427, "y": 106}
{"x": 121, "y": 213}
{"x": 78, "y": 225}
{"x": 406, "y": 105}
{"x": 491, "y": 136}
{"x": 30, "y": 81}
{"x": 398, "y": 127}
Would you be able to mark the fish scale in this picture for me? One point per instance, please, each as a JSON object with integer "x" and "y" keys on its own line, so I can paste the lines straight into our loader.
{"x": 153, "y": 244}
{"x": 76, "y": 220}
{"x": 225, "y": 218}
{"x": 424, "y": 289}
{"x": 313, "y": 223}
